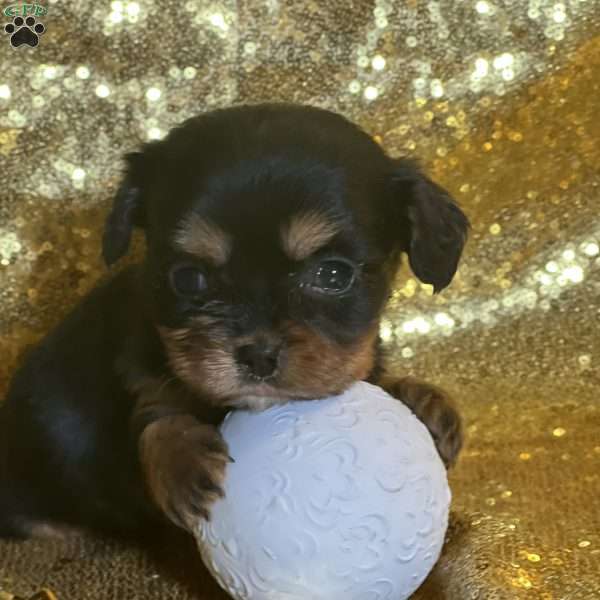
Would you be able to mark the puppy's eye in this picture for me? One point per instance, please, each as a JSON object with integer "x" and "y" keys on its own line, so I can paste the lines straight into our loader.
{"x": 333, "y": 276}
{"x": 188, "y": 281}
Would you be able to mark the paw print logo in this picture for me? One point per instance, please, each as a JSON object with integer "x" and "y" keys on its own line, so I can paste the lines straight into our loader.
{"x": 24, "y": 31}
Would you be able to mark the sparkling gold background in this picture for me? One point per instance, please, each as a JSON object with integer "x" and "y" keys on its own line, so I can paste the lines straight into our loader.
{"x": 499, "y": 99}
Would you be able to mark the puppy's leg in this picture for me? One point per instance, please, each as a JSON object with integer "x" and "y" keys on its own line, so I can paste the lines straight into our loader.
{"x": 435, "y": 408}
{"x": 11, "y": 525}
{"x": 183, "y": 459}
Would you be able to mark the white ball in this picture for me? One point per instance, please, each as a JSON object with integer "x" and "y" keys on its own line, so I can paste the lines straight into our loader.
{"x": 344, "y": 497}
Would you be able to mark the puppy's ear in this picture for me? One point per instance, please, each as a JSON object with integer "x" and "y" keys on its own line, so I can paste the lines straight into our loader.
{"x": 127, "y": 211}
{"x": 435, "y": 228}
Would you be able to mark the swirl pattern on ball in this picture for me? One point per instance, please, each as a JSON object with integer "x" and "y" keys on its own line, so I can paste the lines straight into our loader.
{"x": 339, "y": 498}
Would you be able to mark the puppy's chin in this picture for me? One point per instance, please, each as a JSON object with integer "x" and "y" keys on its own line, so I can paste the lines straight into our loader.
{"x": 260, "y": 396}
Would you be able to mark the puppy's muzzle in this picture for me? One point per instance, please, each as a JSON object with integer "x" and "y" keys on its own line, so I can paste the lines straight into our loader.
{"x": 260, "y": 360}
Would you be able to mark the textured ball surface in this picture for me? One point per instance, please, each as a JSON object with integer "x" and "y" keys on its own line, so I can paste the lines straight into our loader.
{"x": 338, "y": 498}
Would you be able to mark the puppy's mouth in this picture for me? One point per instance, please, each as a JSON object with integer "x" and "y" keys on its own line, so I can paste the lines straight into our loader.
{"x": 254, "y": 394}
{"x": 307, "y": 366}
{"x": 258, "y": 396}
{"x": 257, "y": 392}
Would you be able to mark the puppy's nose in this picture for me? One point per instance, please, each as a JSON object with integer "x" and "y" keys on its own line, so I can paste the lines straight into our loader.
{"x": 260, "y": 359}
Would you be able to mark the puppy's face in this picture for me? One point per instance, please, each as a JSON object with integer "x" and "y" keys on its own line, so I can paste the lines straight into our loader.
{"x": 273, "y": 234}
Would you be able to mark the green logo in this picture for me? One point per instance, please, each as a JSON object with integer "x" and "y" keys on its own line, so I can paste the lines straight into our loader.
{"x": 26, "y": 28}
{"x": 23, "y": 10}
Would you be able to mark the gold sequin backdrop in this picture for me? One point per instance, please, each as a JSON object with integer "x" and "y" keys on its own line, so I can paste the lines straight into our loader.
{"x": 499, "y": 99}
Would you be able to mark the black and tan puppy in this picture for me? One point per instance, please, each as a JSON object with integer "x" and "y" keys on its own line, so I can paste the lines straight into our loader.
{"x": 273, "y": 235}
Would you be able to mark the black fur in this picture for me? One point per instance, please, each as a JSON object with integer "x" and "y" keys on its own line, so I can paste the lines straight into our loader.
{"x": 67, "y": 455}
{"x": 69, "y": 427}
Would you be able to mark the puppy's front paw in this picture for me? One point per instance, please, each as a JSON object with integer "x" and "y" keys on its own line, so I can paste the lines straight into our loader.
{"x": 435, "y": 409}
{"x": 184, "y": 463}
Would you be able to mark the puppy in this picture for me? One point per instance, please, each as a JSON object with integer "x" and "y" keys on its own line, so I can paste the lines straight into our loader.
{"x": 273, "y": 235}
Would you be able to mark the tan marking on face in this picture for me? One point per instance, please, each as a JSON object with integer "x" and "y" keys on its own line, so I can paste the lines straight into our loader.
{"x": 204, "y": 239}
{"x": 318, "y": 367}
{"x": 313, "y": 366}
{"x": 200, "y": 356}
{"x": 306, "y": 233}
{"x": 204, "y": 360}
